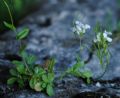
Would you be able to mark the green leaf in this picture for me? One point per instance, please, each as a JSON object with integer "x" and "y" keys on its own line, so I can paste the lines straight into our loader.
{"x": 10, "y": 26}
{"x": 19, "y": 66}
{"x": 20, "y": 83}
{"x": 32, "y": 83}
{"x": 78, "y": 65}
{"x": 51, "y": 64}
{"x": 31, "y": 59}
{"x": 50, "y": 77}
{"x": 39, "y": 71}
{"x": 76, "y": 73}
{"x": 21, "y": 69}
{"x": 17, "y": 63}
{"x": 44, "y": 85}
{"x": 88, "y": 75}
{"x": 50, "y": 91}
{"x": 13, "y": 72}
{"x": 21, "y": 35}
{"x": 36, "y": 70}
{"x": 11, "y": 81}
{"x": 69, "y": 70}
{"x": 45, "y": 78}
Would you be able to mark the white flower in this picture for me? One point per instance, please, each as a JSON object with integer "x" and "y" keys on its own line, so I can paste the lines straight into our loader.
{"x": 80, "y": 27}
{"x": 108, "y": 33}
{"x": 104, "y": 35}
{"x": 98, "y": 38}
{"x": 87, "y": 26}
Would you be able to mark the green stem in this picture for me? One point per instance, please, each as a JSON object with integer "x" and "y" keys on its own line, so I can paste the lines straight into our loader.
{"x": 9, "y": 12}
{"x": 24, "y": 61}
{"x": 80, "y": 44}
{"x": 11, "y": 18}
{"x": 26, "y": 66}
{"x": 99, "y": 77}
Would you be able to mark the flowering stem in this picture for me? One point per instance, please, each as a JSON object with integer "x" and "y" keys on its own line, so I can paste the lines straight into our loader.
{"x": 80, "y": 44}
{"x": 80, "y": 39}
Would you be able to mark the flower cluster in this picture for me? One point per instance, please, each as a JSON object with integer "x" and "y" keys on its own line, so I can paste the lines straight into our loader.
{"x": 80, "y": 28}
{"x": 103, "y": 36}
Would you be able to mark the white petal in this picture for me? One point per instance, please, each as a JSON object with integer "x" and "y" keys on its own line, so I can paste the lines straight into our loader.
{"x": 77, "y": 22}
{"x": 87, "y": 26}
{"x": 108, "y": 33}
{"x": 105, "y": 31}
{"x": 109, "y": 39}
{"x": 105, "y": 35}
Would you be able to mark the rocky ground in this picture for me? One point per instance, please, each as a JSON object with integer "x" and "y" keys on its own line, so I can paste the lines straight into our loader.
{"x": 51, "y": 36}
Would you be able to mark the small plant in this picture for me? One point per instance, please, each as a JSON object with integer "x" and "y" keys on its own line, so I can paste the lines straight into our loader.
{"x": 79, "y": 29}
{"x": 100, "y": 43}
{"x": 42, "y": 80}
{"x": 37, "y": 77}
{"x": 27, "y": 71}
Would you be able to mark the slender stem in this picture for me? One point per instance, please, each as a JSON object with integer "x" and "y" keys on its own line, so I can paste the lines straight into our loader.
{"x": 101, "y": 61}
{"x": 99, "y": 77}
{"x": 11, "y": 18}
{"x": 100, "y": 54}
{"x": 24, "y": 61}
{"x": 26, "y": 65}
{"x": 9, "y": 12}
{"x": 80, "y": 44}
